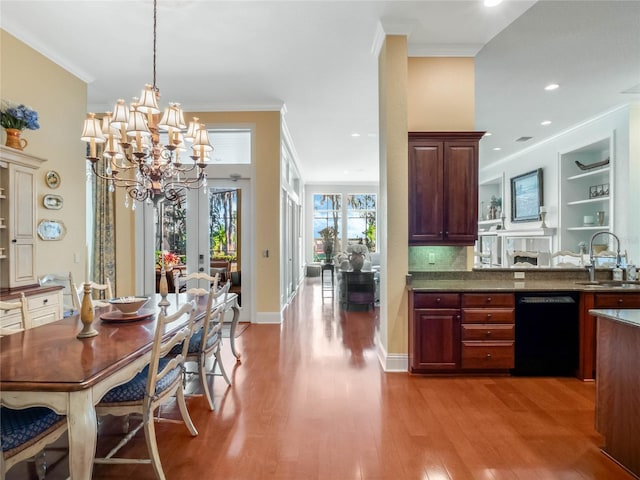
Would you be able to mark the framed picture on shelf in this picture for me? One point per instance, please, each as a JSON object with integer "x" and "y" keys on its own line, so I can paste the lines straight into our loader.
{"x": 593, "y": 191}
{"x": 526, "y": 196}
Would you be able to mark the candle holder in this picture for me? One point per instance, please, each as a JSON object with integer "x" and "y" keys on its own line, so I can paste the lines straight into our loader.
{"x": 87, "y": 314}
{"x": 164, "y": 288}
{"x": 543, "y": 216}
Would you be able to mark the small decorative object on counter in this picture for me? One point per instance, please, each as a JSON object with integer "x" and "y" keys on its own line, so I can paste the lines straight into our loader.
{"x": 617, "y": 274}
{"x": 632, "y": 273}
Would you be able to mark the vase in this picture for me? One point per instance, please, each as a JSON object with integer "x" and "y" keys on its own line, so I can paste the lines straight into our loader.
{"x": 357, "y": 261}
{"x": 14, "y": 140}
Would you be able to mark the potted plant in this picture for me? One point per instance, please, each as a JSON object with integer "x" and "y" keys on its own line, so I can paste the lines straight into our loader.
{"x": 14, "y": 119}
{"x": 328, "y": 235}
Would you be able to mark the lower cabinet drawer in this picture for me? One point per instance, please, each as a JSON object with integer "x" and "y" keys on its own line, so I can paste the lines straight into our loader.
{"x": 487, "y": 315}
{"x": 48, "y": 300}
{"x": 487, "y": 332}
{"x": 436, "y": 300}
{"x": 487, "y": 355}
{"x": 617, "y": 300}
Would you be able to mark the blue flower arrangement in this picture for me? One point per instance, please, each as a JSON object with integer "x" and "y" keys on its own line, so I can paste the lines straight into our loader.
{"x": 18, "y": 116}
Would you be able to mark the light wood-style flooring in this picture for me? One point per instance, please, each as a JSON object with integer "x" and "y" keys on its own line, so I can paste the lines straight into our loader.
{"x": 310, "y": 401}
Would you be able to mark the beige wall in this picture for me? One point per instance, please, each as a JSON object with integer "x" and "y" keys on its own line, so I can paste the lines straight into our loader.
{"x": 441, "y": 94}
{"x": 60, "y": 100}
{"x": 393, "y": 207}
{"x": 267, "y": 199}
{"x": 416, "y": 94}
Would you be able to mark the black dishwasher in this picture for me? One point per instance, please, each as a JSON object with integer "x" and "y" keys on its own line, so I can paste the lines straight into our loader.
{"x": 546, "y": 336}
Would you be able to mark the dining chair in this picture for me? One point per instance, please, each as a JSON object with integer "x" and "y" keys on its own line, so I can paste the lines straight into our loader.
{"x": 71, "y": 303}
{"x": 154, "y": 386}
{"x": 183, "y": 283}
{"x": 104, "y": 289}
{"x": 25, "y": 317}
{"x": 208, "y": 341}
{"x": 24, "y": 435}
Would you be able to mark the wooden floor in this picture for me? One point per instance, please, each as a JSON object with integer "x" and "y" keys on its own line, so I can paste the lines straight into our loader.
{"x": 310, "y": 401}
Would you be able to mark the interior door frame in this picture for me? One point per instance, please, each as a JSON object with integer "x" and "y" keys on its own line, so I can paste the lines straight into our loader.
{"x": 198, "y": 248}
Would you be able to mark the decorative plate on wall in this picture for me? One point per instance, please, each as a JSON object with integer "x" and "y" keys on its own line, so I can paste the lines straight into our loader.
{"x": 52, "y": 202}
{"x": 51, "y": 230}
{"x": 53, "y": 179}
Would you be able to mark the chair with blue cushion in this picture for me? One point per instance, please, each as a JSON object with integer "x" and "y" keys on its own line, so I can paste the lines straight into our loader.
{"x": 192, "y": 283}
{"x": 25, "y": 433}
{"x": 71, "y": 303}
{"x": 155, "y": 385}
{"x": 207, "y": 340}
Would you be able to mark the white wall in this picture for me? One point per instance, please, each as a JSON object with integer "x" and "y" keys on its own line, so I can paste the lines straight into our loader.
{"x": 546, "y": 154}
{"x": 344, "y": 189}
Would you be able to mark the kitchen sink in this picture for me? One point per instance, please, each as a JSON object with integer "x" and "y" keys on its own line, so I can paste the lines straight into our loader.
{"x": 612, "y": 283}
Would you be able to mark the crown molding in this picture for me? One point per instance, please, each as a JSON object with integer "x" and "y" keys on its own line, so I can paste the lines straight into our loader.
{"x": 28, "y": 38}
{"x": 390, "y": 27}
{"x": 444, "y": 50}
{"x": 204, "y": 107}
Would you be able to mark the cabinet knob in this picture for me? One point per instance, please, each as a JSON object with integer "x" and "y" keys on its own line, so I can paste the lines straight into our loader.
{"x": 488, "y": 356}
{"x": 488, "y": 333}
{"x": 45, "y": 301}
{"x": 488, "y": 315}
{"x": 620, "y": 300}
{"x": 447, "y": 233}
{"x": 438, "y": 300}
{"x": 488, "y": 299}
{"x": 440, "y": 233}
{"x": 14, "y": 240}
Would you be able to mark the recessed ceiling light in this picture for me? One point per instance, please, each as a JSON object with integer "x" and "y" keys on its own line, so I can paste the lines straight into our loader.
{"x": 552, "y": 86}
{"x": 492, "y": 3}
{"x": 355, "y": 134}
{"x": 497, "y": 149}
{"x": 545, "y": 122}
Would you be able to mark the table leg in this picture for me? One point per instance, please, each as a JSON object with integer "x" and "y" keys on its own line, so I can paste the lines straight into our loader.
{"x": 83, "y": 434}
{"x": 234, "y": 323}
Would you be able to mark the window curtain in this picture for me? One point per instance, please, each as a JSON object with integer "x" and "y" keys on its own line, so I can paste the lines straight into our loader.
{"x": 104, "y": 228}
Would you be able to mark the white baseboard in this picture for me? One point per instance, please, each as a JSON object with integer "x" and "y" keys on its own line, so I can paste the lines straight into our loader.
{"x": 396, "y": 362}
{"x": 268, "y": 317}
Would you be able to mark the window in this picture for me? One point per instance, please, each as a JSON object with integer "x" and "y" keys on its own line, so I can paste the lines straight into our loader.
{"x": 361, "y": 219}
{"x": 327, "y": 217}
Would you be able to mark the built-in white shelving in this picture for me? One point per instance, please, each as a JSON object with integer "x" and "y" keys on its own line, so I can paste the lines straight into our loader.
{"x": 583, "y": 193}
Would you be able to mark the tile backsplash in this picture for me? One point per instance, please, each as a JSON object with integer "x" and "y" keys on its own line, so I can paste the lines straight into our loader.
{"x": 428, "y": 259}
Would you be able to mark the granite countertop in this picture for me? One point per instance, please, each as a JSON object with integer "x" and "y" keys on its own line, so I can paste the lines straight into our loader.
{"x": 626, "y": 316}
{"x": 493, "y": 285}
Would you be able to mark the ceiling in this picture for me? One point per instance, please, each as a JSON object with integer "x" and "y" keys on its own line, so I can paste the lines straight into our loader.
{"x": 316, "y": 61}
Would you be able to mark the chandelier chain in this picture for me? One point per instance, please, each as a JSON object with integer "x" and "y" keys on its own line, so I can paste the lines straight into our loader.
{"x": 155, "y": 40}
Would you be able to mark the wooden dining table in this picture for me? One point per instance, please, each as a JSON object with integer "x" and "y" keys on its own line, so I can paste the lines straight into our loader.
{"x": 48, "y": 366}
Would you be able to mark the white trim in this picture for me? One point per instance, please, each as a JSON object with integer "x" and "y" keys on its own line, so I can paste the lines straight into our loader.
{"x": 30, "y": 39}
{"x": 204, "y": 107}
{"x": 396, "y": 362}
{"x": 268, "y": 318}
{"x": 389, "y": 27}
{"x": 444, "y": 49}
{"x": 566, "y": 131}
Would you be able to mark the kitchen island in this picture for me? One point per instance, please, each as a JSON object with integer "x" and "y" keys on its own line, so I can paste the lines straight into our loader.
{"x": 618, "y": 385}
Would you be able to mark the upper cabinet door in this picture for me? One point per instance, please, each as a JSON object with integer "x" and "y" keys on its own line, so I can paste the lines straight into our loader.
{"x": 426, "y": 198}
{"x": 443, "y": 188}
{"x": 461, "y": 191}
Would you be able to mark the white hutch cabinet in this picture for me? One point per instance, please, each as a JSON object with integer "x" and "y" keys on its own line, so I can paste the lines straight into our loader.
{"x": 18, "y": 218}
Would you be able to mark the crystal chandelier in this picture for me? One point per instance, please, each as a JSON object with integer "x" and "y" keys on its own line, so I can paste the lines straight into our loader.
{"x": 133, "y": 155}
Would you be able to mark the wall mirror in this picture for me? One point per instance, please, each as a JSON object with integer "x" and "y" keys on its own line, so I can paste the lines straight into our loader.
{"x": 526, "y": 196}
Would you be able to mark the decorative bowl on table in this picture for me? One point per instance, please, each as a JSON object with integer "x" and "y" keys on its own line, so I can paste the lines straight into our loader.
{"x": 128, "y": 306}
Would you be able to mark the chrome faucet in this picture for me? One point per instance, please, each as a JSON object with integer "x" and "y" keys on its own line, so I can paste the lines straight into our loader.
{"x": 592, "y": 261}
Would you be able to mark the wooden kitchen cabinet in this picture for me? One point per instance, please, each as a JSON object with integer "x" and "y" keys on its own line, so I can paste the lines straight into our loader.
{"x": 443, "y": 188}
{"x": 488, "y": 331}
{"x": 434, "y": 332}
